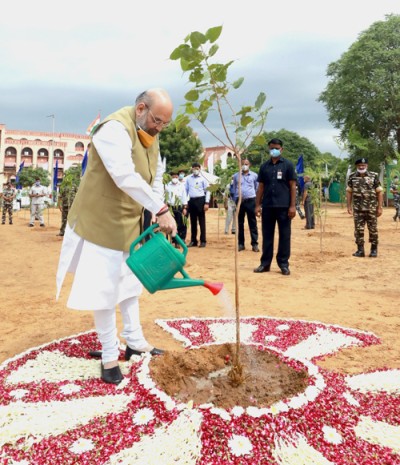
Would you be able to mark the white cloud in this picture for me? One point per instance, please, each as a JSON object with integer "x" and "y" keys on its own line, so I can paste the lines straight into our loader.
{"x": 108, "y": 54}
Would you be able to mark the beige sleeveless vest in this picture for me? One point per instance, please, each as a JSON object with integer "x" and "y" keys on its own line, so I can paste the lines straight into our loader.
{"x": 101, "y": 213}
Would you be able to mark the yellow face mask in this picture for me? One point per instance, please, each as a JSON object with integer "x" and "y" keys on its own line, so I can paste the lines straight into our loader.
{"x": 146, "y": 139}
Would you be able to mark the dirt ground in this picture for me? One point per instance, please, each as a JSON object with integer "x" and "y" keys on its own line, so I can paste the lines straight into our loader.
{"x": 326, "y": 284}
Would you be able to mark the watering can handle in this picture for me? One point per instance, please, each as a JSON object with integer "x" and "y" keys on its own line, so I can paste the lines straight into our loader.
{"x": 150, "y": 231}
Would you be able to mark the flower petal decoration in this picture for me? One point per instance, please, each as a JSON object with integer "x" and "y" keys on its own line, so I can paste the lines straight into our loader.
{"x": 55, "y": 410}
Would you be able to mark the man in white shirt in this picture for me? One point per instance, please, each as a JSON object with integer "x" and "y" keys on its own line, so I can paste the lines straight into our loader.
{"x": 37, "y": 194}
{"x": 176, "y": 198}
{"x": 123, "y": 177}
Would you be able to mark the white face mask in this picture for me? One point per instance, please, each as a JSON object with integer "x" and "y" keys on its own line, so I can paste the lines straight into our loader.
{"x": 364, "y": 170}
{"x": 175, "y": 180}
{"x": 196, "y": 172}
{"x": 245, "y": 167}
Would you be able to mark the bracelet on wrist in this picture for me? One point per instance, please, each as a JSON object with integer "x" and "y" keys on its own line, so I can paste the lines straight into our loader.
{"x": 164, "y": 210}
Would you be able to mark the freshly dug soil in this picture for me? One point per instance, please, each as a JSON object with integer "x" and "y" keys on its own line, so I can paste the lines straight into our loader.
{"x": 202, "y": 375}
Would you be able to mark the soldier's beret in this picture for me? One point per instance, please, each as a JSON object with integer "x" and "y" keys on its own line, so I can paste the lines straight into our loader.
{"x": 361, "y": 160}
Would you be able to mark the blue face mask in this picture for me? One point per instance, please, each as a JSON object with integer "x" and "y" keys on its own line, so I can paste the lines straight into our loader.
{"x": 274, "y": 153}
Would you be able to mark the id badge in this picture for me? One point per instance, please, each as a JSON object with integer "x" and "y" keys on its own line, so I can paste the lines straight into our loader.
{"x": 279, "y": 175}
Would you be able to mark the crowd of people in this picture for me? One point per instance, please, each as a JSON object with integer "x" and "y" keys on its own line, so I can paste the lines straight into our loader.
{"x": 124, "y": 175}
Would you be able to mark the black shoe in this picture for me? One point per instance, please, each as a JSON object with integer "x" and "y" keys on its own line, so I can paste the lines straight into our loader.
{"x": 261, "y": 269}
{"x": 374, "y": 251}
{"x": 233, "y": 232}
{"x": 31, "y": 225}
{"x": 202, "y": 244}
{"x": 42, "y": 225}
{"x": 192, "y": 244}
{"x": 3, "y": 223}
{"x": 255, "y": 248}
{"x": 129, "y": 352}
{"x": 95, "y": 353}
{"x": 60, "y": 234}
{"x": 111, "y": 375}
{"x": 285, "y": 271}
{"x": 241, "y": 247}
{"x": 10, "y": 222}
{"x": 360, "y": 252}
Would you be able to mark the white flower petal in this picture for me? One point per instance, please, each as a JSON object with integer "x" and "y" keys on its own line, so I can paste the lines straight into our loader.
{"x": 297, "y": 452}
{"x": 143, "y": 416}
{"x": 377, "y": 381}
{"x": 178, "y": 443}
{"x": 331, "y": 435}
{"x": 240, "y": 445}
{"x": 323, "y": 342}
{"x": 82, "y": 445}
{"x": 21, "y": 419}
{"x": 379, "y": 432}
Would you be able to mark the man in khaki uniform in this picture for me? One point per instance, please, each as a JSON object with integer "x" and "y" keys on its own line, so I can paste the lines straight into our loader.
{"x": 364, "y": 201}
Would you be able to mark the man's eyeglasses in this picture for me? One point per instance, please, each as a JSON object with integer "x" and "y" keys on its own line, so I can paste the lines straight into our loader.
{"x": 157, "y": 121}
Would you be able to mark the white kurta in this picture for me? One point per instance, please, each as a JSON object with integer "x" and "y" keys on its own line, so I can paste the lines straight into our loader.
{"x": 102, "y": 277}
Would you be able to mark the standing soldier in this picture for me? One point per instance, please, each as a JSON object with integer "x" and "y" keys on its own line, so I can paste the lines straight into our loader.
{"x": 68, "y": 189}
{"x": 394, "y": 189}
{"x": 8, "y": 196}
{"x": 364, "y": 191}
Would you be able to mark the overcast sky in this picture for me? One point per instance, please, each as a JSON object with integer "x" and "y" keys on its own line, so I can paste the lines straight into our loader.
{"x": 76, "y": 58}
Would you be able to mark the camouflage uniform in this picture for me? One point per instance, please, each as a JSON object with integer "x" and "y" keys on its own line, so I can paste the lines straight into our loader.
{"x": 394, "y": 188}
{"x": 364, "y": 189}
{"x": 8, "y": 197}
{"x": 66, "y": 197}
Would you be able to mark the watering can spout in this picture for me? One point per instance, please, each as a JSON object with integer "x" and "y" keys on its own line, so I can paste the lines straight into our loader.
{"x": 215, "y": 288}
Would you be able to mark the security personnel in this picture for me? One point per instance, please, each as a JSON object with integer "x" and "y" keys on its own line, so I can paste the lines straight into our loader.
{"x": 364, "y": 201}
{"x": 394, "y": 189}
{"x": 66, "y": 197}
{"x": 8, "y": 196}
{"x": 199, "y": 199}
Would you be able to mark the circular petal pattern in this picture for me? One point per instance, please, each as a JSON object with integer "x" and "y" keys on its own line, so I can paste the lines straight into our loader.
{"x": 55, "y": 410}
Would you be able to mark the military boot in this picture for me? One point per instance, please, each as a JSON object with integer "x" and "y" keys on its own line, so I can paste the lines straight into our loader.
{"x": 374, "y": 251}
{"x": 360, "y": 251}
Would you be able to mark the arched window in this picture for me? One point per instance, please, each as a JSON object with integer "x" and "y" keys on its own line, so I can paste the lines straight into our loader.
{"x": 10, "y": 151}
{"x": 27, "y": 152}
{"x": 79, "y": 147}
{"x": 43, "y": 153}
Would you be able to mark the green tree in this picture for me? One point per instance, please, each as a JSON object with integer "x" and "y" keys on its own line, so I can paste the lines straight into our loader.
{"x": 181, "y": 148}
{"x": 28, "y": 175}
{"x": 363, "y": 94}
{"x": 294, "y": 146}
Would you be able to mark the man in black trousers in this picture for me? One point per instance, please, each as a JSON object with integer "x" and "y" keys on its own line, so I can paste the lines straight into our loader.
{"x": 276, "y": 203}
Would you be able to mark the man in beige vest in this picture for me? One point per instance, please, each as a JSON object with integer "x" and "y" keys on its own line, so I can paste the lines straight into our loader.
{"x": 123, "y": 178}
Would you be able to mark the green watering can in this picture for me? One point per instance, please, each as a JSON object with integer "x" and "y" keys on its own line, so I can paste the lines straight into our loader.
{"x": 156, "y": 262}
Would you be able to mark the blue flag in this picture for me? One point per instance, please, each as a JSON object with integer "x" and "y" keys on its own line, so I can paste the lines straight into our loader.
{"x": 17, "y": 183}
{"x": 84, "y": 162}
{"x": 300, "y": 172}
{"x": 55, "y": 180}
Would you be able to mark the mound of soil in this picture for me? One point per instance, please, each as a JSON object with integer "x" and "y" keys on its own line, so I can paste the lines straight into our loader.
{"x": 202, "y": 375}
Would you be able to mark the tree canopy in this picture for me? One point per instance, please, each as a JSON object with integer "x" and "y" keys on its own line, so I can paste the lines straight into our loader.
{"x": 28, "y": 175}
{"x": 294, "y": 145}
{"x": 363, "y": 94}
{"x": 180, "y": 148}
